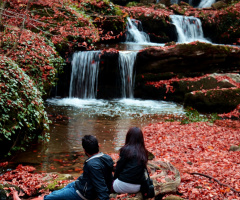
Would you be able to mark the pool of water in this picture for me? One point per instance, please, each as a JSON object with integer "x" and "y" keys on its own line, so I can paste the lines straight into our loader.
{"x": 108, "y": 120}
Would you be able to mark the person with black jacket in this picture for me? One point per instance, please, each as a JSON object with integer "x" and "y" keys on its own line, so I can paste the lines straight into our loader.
{"x": 130, "y": 169}
{"x": 96, "y": 180}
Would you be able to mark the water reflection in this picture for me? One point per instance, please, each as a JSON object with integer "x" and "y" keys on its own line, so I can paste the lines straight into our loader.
{"x": 108, "y": 120}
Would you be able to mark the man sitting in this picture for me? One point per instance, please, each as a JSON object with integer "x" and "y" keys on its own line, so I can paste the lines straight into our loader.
{"x": 95, "y": 181}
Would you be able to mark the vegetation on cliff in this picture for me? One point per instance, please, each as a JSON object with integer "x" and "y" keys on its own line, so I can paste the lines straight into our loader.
{"x": 22, "y": 113}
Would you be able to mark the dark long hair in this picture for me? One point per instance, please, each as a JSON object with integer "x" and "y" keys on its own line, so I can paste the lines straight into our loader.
{"x": 134, "y": 145}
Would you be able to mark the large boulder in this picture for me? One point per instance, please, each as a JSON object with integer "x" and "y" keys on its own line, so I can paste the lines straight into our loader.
{"x": 219, "y": 5}
{"x": 185, "y": 58}
{"x": 219, "y": 100}
{"x": 175, "y": 89}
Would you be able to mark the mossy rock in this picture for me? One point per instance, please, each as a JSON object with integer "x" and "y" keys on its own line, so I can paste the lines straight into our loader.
{"x": 186, "y": 58}
{"x": 4, "y": 194}
{"x": 183, "y": 87}
{"x": 234, "y": 148}
{"x": 220, "y": 101}
{"x": 54, "y": 184}
{"x": 219, "y": 5}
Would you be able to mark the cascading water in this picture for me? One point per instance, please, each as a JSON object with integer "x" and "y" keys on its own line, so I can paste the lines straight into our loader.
{"x": 84, "y": 77}
{"x": 202, "y": 4}
{"x": 206, "y": 3}
{"x": 135, "y": 33}
{"x": 126, "y": 67}
{"x": 189, "y": 29}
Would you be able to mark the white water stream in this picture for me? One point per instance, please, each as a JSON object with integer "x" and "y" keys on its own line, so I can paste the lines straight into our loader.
{"x": 202, "y": 4}
{"x": 126, "y": 61}
{"x": 189, "y": 29}
{"x": 135, "y": 33}
{"x": 206, "y": 3}
{"x": 84, "y": 77}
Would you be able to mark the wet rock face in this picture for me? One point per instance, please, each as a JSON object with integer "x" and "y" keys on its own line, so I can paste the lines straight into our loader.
{"x": 187, "y": 74}
{"x": 219, "y": 5}
{"x": 124, "y": 2}
{"x": 214, "y": 100}
{"x": 184, "y": 58}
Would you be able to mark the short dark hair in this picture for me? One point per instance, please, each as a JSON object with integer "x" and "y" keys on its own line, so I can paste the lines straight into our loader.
{"x": 90, "y": 144}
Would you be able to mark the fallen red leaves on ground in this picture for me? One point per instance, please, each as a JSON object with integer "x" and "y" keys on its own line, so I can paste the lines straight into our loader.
{"x": 29, "y": 183}
{"x": 198, "y": 147}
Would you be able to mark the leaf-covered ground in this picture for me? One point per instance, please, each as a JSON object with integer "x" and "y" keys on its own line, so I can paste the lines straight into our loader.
{"x": 203, "y": 148}
{"x": 198, "y": 147}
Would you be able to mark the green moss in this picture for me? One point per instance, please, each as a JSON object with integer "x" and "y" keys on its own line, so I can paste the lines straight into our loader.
{"x": 118, "y": 11}
{"x": 54, "y": 185}
{"x": 132, "y": 3}
{"x": 192, "y": 115}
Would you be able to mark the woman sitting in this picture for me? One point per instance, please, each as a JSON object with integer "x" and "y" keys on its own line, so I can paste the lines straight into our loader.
{"x": 130, "y": 168}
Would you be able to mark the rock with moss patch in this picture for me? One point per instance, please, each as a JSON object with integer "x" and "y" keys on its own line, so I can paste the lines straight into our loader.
{"x": 234, "y": 148}
{"x": 220, "y": 100}
{"x": 219, "y": 5}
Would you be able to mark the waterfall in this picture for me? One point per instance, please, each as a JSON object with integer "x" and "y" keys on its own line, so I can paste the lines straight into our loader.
{"x": 135, "y": 33}
{"x": 202, "y": 4}
{"x": 188, "y": 28}
{"x": 84, "y": 77}
{"x": 126, "y": 66}
{"x": 206, "y": 3}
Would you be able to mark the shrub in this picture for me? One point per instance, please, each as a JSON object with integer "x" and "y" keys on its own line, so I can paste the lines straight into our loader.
{"x": 22, "y": 115}
{"x": 35, "y": 55}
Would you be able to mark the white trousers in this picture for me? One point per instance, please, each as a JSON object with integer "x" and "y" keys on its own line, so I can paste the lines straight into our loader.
{"x": 123, "y": 187}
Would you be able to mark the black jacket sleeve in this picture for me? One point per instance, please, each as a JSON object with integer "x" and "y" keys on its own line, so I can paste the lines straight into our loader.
{"x": 119, "y": 167}
{"x": 98, "y": 182}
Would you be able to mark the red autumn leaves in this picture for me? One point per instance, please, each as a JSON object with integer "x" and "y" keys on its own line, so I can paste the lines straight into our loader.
{"x": 198, "y": 147}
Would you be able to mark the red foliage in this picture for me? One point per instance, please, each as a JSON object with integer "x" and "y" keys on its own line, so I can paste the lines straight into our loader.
{"x": 234, "y": 113}
{"x": 109, "y": 51}
{"x": 30, "y": 183}
{"x": 138, "y": 11}
{"x": 198, "y": 147}
{"x": 52, "y": 18}
{"x": 33, "y": 55}
{"x": 167, "y": 83}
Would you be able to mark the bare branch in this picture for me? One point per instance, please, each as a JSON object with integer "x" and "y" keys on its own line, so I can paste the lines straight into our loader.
{"x": 20, "y": 32}
{"x": 2, "y": 27}
{"x": 3, "y": 4}
{"x": 222, "y": 184}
